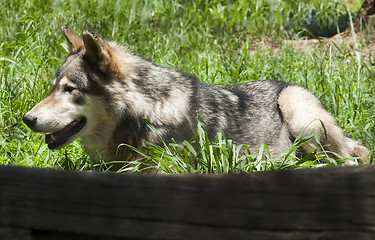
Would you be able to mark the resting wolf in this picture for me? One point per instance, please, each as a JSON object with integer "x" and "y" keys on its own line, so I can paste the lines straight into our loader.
{"x": 102, "y": 94}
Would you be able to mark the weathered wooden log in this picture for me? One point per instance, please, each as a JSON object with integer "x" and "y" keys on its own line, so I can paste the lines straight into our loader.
{"x": 329, "y": 203}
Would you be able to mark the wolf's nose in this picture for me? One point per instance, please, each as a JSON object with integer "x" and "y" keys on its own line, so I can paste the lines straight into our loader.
{"x": 30, "y": 120}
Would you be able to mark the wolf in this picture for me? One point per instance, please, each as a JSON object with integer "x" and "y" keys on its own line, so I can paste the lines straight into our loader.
{"x": 103, "y": 93}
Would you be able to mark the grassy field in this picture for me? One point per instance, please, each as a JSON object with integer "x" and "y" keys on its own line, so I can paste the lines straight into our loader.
{"x": 209, "y": 39}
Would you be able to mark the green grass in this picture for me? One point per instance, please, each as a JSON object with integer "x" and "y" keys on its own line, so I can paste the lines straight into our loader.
{"x": 208, "y": 39}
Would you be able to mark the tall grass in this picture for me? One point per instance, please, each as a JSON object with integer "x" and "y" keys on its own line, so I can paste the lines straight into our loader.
{"x": 208, "y": 39}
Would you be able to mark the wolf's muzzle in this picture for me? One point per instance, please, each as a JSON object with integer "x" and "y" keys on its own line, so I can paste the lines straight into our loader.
{"x": 29, "y": 120}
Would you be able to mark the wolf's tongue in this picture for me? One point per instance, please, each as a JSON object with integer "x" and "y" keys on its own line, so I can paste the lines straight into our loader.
{"x": 56, "y": 139}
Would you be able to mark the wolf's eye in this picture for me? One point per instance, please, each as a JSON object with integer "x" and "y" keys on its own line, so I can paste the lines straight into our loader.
{"x": 69, "y": 88}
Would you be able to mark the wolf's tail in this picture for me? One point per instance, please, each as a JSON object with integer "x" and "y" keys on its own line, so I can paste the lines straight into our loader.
{"x": 302, "y": 111}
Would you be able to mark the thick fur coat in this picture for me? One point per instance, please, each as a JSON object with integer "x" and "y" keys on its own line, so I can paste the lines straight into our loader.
{"x": 103, "y": 92}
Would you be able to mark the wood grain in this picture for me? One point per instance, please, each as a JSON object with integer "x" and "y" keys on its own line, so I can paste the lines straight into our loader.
{"x": 330, "y": 203}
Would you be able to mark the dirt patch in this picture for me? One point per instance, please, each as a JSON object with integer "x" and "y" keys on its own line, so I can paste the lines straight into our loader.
{"x": 359, "y": 39}
{"x": 342, "y": 43}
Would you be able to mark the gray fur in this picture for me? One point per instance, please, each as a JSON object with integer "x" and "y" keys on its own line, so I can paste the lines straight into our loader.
{"x": 115, "y": 90}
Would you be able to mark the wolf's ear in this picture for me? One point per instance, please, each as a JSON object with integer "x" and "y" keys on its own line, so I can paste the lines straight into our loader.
{"x": 75, "y": 42}
{"x": 98, "y": 52}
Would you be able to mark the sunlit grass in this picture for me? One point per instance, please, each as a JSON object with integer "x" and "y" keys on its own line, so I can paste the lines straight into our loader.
{"x": 207, "y": 39}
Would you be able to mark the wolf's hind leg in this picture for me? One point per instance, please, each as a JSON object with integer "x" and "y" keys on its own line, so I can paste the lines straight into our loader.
{"x": 300, "y": 109}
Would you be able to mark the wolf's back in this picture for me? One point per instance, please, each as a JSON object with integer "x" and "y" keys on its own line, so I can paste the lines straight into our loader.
{"x": 246, "y": 113}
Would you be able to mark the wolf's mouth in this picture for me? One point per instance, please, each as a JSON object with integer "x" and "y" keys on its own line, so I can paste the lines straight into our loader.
{"x": 60, "y": 138}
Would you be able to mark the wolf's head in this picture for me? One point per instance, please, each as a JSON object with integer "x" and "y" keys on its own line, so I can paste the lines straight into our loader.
{"x": 78, "y": 91}
{"x": 103, "y": 92}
